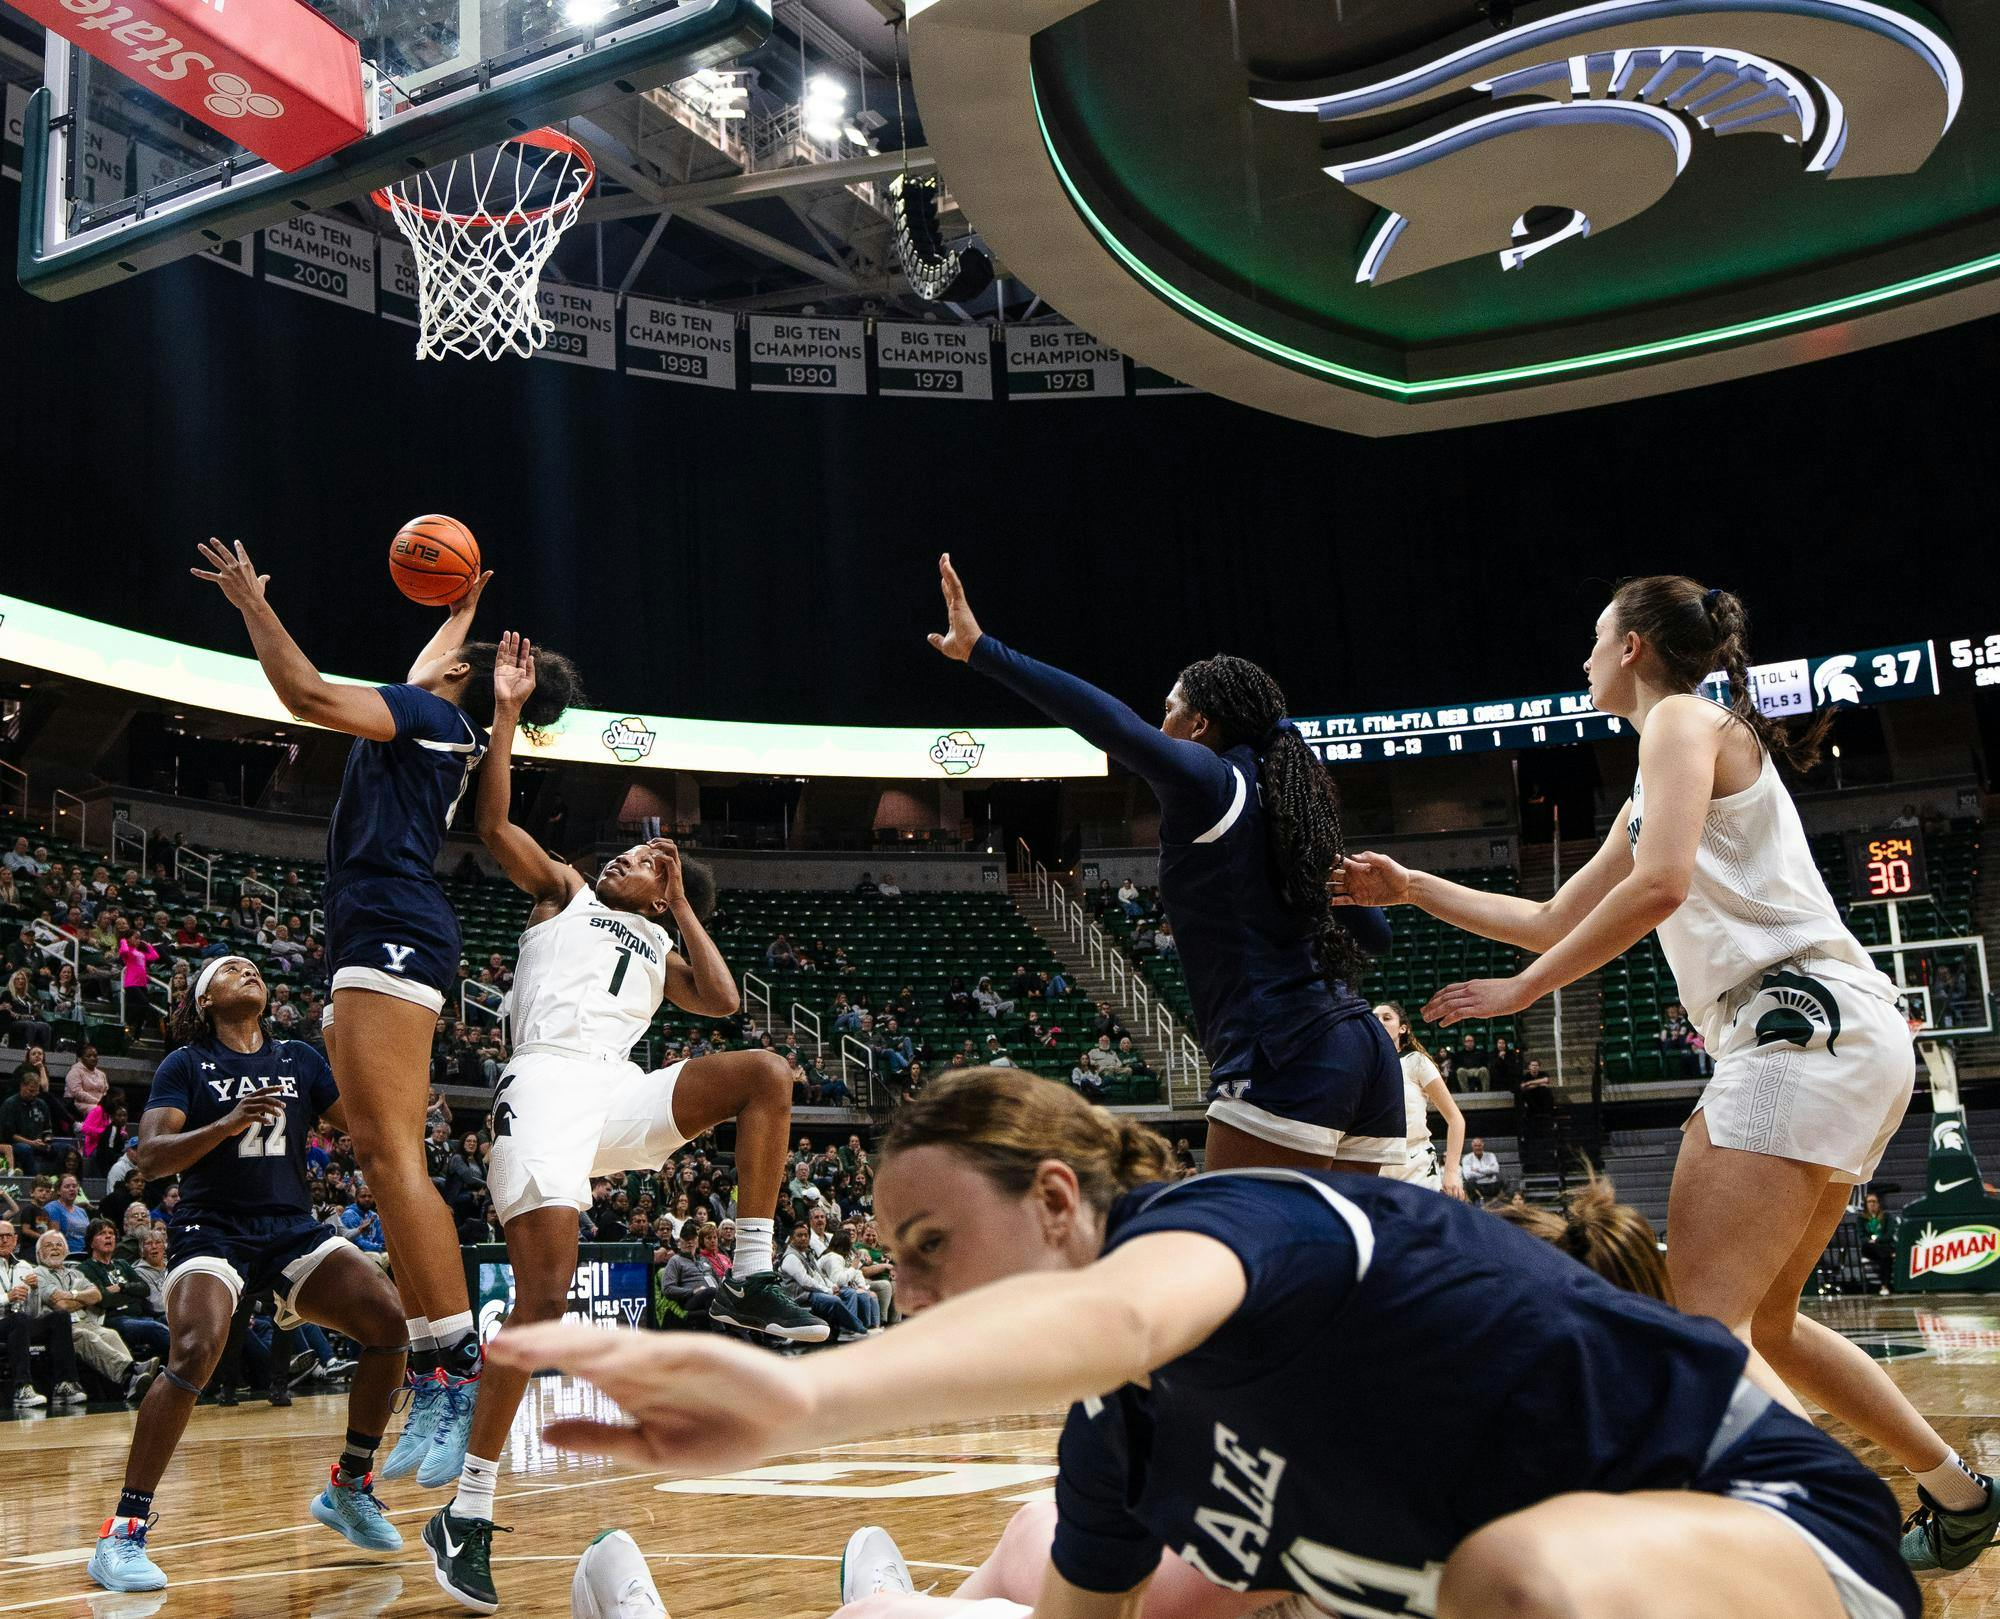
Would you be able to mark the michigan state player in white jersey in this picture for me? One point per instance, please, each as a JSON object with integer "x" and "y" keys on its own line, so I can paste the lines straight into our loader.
{"x": 1813, "y": 1067}
{"x": 595, "y": 963}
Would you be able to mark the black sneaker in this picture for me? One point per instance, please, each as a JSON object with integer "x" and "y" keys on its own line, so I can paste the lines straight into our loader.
{"x": 760, "y": 1304}
{"x": 462, "y": 1557}
{"x": 281, "y": 1396}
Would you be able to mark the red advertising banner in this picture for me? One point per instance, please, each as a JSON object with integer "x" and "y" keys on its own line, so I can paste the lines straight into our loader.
{"x": 272, "y": 75}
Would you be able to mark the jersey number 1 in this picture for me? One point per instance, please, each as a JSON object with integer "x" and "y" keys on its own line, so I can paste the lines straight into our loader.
{"x": 257, "y": 1142}
{"x": 618, "y": 974}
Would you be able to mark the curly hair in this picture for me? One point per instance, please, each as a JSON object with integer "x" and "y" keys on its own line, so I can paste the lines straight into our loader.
{"x": 558, "y": 688}
{"x": 1246, "y": 706}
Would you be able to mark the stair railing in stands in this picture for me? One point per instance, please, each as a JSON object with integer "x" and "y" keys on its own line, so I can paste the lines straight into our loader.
{"x": 487, "y": 1000}
{"x": 54, "y": 942}
{"x": 124, "y": 835}
{"x": 804, "y": 1015}
{"x": 68, "y": 820}
{"x": 757, "y": 994}
{"x": 189, "y": 860}
{"x": 263, "y": 890}
{"x": 858, "y": 1054}
{"x": 13, "y": 779}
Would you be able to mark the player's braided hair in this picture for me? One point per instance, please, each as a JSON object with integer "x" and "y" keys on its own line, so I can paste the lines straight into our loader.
{"x": 558, "y": 688}
{"x": 189, "y": 1024}
{"x": 1246, "y": 707}
{"x": 1694, "y": 631}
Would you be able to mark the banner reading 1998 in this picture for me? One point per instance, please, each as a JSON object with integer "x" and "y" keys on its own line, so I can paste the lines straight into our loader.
{"x": 680, "y": 343}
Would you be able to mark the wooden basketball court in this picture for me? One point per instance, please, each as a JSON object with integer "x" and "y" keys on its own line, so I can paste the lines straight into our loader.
{"x": 235, "y": 1539}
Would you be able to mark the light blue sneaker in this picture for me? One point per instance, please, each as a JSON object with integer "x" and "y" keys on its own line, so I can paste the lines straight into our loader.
{"x": 120, "y": 1562}
{"x": 445, "y": 1460}
{"x": 426, "y": 1410}
{"x": 353, "y": 1511}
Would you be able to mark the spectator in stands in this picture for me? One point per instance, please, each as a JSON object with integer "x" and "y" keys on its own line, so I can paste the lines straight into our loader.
{"x": 1143, "y": 941}
{"x": 125, "y": 1195}
{"x": 26, "y": 1125}
{"x": 1083, "y": 1079}
{"x": 69, "y": 1211}
{"x": 1163, "y": 939}
{"x": 1677, "y": 1041}
{"x": 1024, "y": 985}
{"x": 896, "y": 1046}
{"x": 958, "y": 1001}
{"x": 781, "y": 955}
{"x": 888, "y": 888}
{"x": 189, "y": 936}
{"x": 362, "y": 1226}
{"x": 65, "y": 996}
{"x": 29, "y": 1319}
{"x": 18, "y": 859}
{"x": 988, "y": 1000}
{"x": 21, "y": 1021}
{"x": 995, "y": 1055}
{"x": 844, "y": 1279}
{"x": 1040, "y": 1033}
{"x": 170, "y": 1201}
{"x": 1536, "y": 1097}
{"x": 1909, "y": 820}
{"x": 132, "y": 1225}
{"x": 714, "y": 1258}
{"x": 86, "y": 1084}
{"x": 465, "y": 1176}
{"x": 1480, "y": 1171}
{"x": 104, "y": 1132}
{"x": 136, "y": 958}
{"x": 1878, "y": 1243}
{"x": 1133, "y": 1063}
{"x": 10, "y": 890}
{"x": 1504, "y": 1072}
{"x": 1470, "y": 1065}
{"x": 1103, "y": 1061}
{"x": 867, "y": 885}
{"x": 287, "y": 951}
{"x": 802, "y": 1282}
{"x": 1106, "y": 1023}
{"x": 683, "y": 1278}
{"x": 125, "y": 1303}
{"x": 97, "y": 1346}
{"x": 1055, "y": 986}
{"x": 293, "y": 894}
{"x": 833, "y": 1090}
{"x": 151, "y": 1268}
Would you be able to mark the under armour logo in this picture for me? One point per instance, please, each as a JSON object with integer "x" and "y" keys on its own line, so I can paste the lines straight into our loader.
{"x": 398, "y": 954}
{"x": 233, "y": 98}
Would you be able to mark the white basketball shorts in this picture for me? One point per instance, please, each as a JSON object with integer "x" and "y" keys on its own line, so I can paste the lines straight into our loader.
{"x": 1421, "y": 1167}
{"x": 559, "y": 1119}
{"x": 1814, "y": 1063}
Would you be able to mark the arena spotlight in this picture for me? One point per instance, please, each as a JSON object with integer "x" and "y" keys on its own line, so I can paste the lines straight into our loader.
{"x": 937, "y": 273}
{"x": 823, "y": 113}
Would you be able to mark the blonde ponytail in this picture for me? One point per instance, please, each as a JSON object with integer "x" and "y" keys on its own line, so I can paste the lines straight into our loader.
{"x": 1594, "y": 1228}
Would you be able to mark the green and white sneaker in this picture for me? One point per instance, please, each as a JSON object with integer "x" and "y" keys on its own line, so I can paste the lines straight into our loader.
{"x": 613, "y": 1582}
{"x": 760, "y": 1304}
{"x": 872, "y": 1565}
{"x": 462, "y": 1557}
{"x": 1936, "y": 1539}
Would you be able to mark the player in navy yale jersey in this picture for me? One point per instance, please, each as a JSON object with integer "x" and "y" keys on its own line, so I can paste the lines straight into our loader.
{"x": 1813, "y": 1063}
{"x": 1247, "y": 1352}
{"x": 392, "y": 946}
{"x": 1249, "y": 832}
{"x": 229, "y": 1113}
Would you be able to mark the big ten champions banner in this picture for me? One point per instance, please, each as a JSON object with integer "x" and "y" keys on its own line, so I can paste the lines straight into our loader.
{"x": 1061, "y": 362}
{"x": 1948, "y": 1240}
{"x": 808, "y": 354}
{"x": 932, "y": 362}
{"x": 680, "y": 343}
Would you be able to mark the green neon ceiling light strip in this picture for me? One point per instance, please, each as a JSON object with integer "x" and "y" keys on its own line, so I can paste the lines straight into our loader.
{"x": 1809, "y": 316}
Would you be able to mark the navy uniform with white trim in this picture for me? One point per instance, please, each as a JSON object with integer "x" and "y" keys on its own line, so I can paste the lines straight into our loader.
{"x": 1266, "y": 1466}
{"x": 1291, "y": 1060}
{"x": 245, "y": 1215}
{"x": 389, "y": 927}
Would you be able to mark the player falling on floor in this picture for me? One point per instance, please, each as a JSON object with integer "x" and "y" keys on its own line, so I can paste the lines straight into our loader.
{"x": 392, "y": 949}
{"x": 595, "y": 963}
{"x": 229, "y": 1113}
{"x": 1249, "y": 832}
{"x": 1813, "y": 1064}
{"x": 1627, "y": 1469}
{"x": 1424, "y": 1089}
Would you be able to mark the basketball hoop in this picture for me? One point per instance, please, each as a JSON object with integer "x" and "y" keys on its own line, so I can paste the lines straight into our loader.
{"x": 481, "y": 229}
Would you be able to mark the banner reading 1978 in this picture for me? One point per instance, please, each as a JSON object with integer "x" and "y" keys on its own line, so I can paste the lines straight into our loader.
{"x": 933, "y": 362}
{"x": 1059, "y": 362}
{"x": 807, "y": 354}
{"x": 680, "y": 343}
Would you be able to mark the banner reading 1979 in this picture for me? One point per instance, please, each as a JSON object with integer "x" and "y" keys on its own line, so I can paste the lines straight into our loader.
{"x": 933, "y": 362}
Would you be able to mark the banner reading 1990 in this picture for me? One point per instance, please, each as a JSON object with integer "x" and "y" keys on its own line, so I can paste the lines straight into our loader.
{"x": 808, "y": 354}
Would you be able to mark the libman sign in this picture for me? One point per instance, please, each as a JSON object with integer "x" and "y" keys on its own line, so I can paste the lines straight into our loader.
{"x": 1955, "y": 1253}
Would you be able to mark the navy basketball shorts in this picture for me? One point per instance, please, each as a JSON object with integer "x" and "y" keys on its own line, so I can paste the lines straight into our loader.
{"x": 1340, "y": 1097}
{"x": 1785, "y": 1465}
{"x": 393, "y": 936}
{"x": 247, "y": 1252}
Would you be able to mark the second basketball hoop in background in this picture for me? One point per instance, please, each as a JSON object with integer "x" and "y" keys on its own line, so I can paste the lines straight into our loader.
{"x": 481, "y": 229}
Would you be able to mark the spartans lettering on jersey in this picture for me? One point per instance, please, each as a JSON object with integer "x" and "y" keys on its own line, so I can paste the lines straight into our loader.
{"x": 1242, "y": 1530}
{"x": 637, "y": 943}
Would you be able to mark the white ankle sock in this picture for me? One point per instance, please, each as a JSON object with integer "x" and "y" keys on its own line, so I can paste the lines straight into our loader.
{"x": 419, "y": 1329}
{"x": 1952, "y": 1485}
{"x": 475, "y": 1488}
{"x": 753, "y": 1247}
{"x": 452, "y": 1328}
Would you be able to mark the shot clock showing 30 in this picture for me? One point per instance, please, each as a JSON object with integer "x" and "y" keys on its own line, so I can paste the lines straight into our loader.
{"x": 1885, "y": 866}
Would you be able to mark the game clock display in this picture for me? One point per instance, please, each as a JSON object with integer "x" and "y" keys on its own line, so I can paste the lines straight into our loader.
{"x": 1886, "y": 866}
{"x": 1973, "y": 661}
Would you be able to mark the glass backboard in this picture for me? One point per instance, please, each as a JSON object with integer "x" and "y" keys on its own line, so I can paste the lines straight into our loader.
{"x": 117, "y": 181}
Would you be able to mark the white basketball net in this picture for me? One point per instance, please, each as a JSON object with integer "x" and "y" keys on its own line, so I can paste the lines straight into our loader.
{"x": 480, "y": 249}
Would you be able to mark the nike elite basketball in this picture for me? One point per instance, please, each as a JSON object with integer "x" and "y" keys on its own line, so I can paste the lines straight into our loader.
{"x": 433, "y": 559}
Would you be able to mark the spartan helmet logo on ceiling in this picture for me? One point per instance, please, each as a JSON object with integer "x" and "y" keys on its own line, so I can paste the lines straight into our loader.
{"x": 1801, "y": 1009}
{"x": 1592, "y": 111}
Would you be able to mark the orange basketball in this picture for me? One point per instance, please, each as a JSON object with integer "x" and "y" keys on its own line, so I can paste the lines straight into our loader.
{"x": 433, "y": 559}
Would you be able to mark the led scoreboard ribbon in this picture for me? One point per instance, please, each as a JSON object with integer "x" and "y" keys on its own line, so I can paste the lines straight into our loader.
{"x": 1792, "y": 687}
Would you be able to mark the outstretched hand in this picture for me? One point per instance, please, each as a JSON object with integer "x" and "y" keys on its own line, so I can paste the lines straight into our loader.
{"x": 468, "y": 604}
{"x": 1369, "y": 879}
{"x": 513, "y": 671}
{"x": 962, "y": 630}
{"x": 235, "y": 574}
{"x": 1479, "y": 998}
{"x": 692, "y": 1403}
